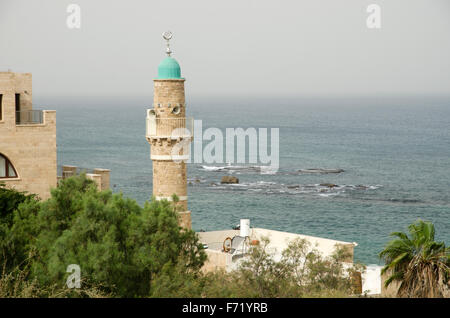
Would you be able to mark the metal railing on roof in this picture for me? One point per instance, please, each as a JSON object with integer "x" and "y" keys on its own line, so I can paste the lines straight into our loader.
{"x": 29, "y": 117}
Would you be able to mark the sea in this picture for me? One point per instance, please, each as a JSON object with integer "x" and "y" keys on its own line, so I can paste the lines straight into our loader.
{"x": 394, "y": 153}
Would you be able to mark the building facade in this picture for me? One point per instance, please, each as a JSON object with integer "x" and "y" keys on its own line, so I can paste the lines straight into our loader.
{"x": 27, "y": 138}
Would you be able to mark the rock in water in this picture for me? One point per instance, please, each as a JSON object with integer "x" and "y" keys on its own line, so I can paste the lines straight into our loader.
{"x": 329, "y": 185}
{"x": 321, "y": 170}
{"x": 229, "y": 179}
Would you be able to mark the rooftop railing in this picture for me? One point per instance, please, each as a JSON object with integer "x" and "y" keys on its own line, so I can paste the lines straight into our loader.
{"x": 29, "y": 117}
{"x": 170, "y": 127}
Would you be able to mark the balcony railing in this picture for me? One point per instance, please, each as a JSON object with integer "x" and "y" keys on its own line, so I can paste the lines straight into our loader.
{"x": 29, "y": 117}
{"x": 170, "y": 127}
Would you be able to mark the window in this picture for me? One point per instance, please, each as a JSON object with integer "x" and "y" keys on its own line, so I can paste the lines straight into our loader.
{"x": 17, "y": 108}
{"x": 6, "y": 168}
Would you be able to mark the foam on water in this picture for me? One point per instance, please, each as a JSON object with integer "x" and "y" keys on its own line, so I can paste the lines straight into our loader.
{"x": 213, "y": 168}
{"x": 270, "y": 187}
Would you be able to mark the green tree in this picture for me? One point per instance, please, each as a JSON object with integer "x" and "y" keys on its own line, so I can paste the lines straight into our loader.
{"x": 420, "y": 264}
{"x": 10, "y": 199}
{"x": 117, "y": 244}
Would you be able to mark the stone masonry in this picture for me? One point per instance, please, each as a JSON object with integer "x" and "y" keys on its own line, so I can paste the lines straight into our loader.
{"x": 169, "y": 176}
{"x": 31, "y": 148}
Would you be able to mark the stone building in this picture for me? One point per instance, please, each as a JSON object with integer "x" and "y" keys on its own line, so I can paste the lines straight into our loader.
{"x": 27, "y": 138}
{"x": 28, "y": 158}
{"x": 169, "y": 134}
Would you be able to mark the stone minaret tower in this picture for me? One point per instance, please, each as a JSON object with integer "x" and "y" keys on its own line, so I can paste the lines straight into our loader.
{"x": 169, "y": 134}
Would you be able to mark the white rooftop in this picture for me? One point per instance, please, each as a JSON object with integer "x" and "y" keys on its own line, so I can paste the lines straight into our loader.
{"x": 278, "y": 242}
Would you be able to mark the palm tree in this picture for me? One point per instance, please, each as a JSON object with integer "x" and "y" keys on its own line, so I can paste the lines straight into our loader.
{"x": 417, "y": 262}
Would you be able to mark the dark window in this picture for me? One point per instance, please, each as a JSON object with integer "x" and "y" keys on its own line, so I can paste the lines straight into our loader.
{"x": 1, "y": 106}
{"x": 6, "y": 168}
{"x": 17, "y": 108}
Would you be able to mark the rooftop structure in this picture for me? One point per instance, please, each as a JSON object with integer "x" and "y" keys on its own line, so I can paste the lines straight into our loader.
{"x": 214, "y": 241}
{"x": 228, "y": 259}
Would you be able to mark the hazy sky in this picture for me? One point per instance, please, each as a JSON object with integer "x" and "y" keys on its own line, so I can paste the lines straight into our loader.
{"x": 232, "y": 47}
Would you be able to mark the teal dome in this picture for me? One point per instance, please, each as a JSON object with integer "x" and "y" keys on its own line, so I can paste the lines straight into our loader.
{"x": 169, "y": 69}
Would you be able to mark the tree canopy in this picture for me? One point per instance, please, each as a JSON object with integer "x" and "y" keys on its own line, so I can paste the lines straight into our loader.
{"x": 118, "y": 245}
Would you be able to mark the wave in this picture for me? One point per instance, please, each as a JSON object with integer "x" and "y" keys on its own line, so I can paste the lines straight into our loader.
{"x": 237, "y": 168}
{"x": 329, "y": 194}
{"x": 267, "y": 169}
{"x": 322, "y": 190}
{"x": 213, "y": 168}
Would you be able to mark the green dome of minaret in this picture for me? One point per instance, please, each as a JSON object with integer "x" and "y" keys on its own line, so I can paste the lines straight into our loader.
{"x": 169, "y": 67}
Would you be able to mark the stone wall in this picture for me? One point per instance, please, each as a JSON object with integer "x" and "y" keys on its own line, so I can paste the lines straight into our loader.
{"x": 16, "y": 83}
{"x": 185, "y": 218}
{"x": 104, "y": 177}
{"x": 68, "y": 171}
{"x": 96, "y": 178}
{"x": 101, "y": 177}
{"x": 169, "y": 177}
{"x": 217, "y": 260}
{"x": 169, "y": 91}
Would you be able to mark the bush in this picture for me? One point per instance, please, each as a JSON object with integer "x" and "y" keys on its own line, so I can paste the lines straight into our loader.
{"x": 10, "y": 199}
{"x": 117, "y": 244}
{"x": 301, "y": 272}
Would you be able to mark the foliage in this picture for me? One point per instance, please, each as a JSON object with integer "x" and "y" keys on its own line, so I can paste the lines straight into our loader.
{"x": 10, "y": 199}
{"x": 420, "y": 264}
{"x": 125, "y": 250}
{"x": 117, "y": 244}
{"x": 17, "y": 284}
{"x": 301, "y": 272}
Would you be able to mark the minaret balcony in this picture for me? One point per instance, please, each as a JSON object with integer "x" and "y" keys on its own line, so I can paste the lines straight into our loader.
{"x": 169, "y": 128}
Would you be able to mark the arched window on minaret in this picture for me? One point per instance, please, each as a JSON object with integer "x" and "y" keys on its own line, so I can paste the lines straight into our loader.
{"x": 6, "y": 168}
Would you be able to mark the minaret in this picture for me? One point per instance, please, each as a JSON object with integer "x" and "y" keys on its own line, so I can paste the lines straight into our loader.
{"x": 168, "y": 130}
